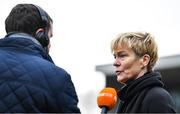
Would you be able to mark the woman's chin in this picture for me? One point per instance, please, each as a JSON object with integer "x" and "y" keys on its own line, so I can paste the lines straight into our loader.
{"x": 121, "y": 80}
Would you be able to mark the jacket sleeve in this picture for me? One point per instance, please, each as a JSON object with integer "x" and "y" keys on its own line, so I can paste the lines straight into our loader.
{"x": 69, "y": 96}
{"x": 158, "y": 100}
{"x": 65, "y": 94}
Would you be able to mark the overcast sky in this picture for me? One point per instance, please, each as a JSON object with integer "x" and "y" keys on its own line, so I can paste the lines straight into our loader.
{"x": 83, "y": 30}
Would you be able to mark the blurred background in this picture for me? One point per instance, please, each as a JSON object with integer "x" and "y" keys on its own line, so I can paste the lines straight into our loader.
{"x": 83, "y": 30}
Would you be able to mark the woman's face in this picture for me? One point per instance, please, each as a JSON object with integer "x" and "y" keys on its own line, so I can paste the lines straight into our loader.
{"x": 127, "y": 65}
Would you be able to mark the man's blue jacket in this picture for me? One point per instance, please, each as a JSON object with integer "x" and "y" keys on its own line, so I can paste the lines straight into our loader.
{"x": 30, "y": 81}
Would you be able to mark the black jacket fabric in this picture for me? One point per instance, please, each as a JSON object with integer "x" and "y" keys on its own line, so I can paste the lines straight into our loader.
{"x": 145, "y": 95}
{"x": 29, "y": 80}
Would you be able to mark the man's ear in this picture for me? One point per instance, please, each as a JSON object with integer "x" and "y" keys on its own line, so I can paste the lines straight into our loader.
{"x": 145, "y": 60}
{"x": 39, "y": 30}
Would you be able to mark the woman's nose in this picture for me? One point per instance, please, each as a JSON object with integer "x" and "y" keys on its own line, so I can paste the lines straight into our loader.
{"x": 116, "y": 63}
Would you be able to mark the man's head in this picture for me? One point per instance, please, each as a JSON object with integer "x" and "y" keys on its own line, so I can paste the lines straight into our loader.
{"x": 30, "y": 19}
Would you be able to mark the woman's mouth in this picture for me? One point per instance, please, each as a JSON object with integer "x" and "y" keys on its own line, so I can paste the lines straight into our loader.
{"x": 118, "y": 72}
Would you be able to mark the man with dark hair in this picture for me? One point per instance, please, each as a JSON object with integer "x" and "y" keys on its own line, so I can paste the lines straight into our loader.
{"x": 29, "y": 80}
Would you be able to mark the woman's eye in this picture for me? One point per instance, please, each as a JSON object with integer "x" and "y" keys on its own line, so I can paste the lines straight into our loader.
{"x": 122, "y": 55}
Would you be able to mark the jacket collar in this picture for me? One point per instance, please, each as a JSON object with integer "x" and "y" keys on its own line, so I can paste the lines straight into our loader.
{"x": 22, "y": 35}
{"x": 149, "y": 79}
{"x": 24, "y": 43}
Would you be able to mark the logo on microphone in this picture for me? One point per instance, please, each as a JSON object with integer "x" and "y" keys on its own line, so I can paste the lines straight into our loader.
{"x": 108, "y": 95}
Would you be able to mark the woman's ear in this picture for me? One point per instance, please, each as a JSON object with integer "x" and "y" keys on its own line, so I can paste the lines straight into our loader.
{"x": 145, "y": 60}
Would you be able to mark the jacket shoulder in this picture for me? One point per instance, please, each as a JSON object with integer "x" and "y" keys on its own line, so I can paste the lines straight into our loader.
{"x": 157, "y": 100}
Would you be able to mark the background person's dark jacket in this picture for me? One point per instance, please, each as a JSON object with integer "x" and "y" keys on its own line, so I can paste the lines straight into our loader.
{"x": 30, "y": 81}
{"x": 145, "y": 95}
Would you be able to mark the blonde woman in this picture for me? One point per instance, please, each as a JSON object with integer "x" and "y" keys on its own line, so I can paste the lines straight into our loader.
{"x": 135, "y": 55}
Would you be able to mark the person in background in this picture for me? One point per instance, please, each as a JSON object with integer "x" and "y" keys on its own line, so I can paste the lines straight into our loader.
{"x": 30, "y": 82}
{"x": 135, "y": 56}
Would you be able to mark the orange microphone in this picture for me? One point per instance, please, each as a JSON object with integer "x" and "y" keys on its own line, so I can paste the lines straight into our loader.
{"x": 107, "y": 99}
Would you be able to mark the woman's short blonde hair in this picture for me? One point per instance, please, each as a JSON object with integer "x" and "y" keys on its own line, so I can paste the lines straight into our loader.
{"x": 140, "y": 42}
